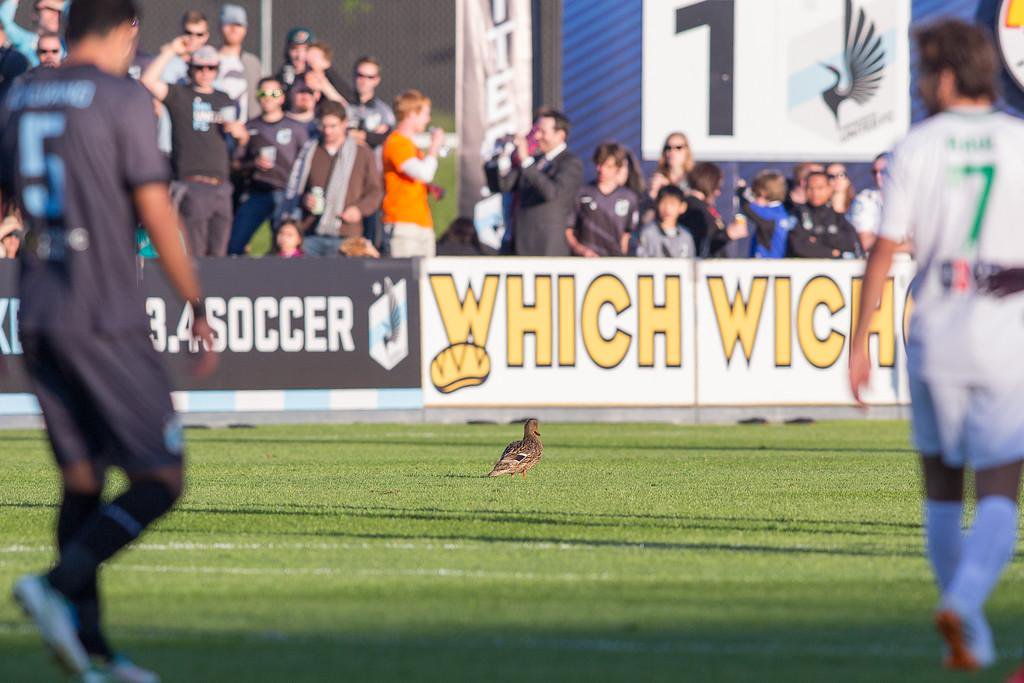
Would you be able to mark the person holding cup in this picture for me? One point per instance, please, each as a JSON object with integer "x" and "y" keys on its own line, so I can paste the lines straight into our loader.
{"x": 274, "y": 144}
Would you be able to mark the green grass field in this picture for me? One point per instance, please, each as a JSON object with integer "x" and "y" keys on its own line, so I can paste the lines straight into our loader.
{"x": 631, "y": 553}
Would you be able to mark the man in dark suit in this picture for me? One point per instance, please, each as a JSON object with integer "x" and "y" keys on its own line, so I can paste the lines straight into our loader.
{"x": 545, "y": 184}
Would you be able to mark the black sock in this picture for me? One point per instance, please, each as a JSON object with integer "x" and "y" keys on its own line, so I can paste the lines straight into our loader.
{"x": 75, "y": 511}
{"x": 114, "y": 526}
{"x": 87, "y": 608}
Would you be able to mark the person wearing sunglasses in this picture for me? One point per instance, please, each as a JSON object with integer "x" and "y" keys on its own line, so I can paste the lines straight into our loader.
{"x": 46, "y": 16}
{"x": 371, "y": 120}
{"x": 266, "y": 162}
{"x": 195, "y": 33}
{"x": 843, "y": 190}
{"x": 201, "y": 119}
{"x": 675, "y": 163}
{"x": 49, "y": 50}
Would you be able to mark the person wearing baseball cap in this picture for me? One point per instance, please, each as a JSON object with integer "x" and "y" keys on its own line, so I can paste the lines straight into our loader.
{"x": 297, "y": 41}
{"x": 201, "y": 116}
{"x": 240, "y": 71}
{"x": 46, "y": 17}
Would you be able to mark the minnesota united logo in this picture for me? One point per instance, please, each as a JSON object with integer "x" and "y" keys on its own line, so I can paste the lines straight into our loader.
{"x": 863, "y": 62}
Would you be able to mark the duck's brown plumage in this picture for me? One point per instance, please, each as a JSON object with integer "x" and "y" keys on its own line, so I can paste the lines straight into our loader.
{"x": 520, "y": 456}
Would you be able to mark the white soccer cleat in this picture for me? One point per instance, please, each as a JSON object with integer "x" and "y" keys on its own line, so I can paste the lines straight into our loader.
{"x": 52, "y": 615}
{"x": 124, "y": 670}
{"x": 968, "y": 640}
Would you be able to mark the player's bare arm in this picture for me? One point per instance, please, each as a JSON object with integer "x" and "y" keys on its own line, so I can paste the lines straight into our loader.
{"x": 875, "y": 275}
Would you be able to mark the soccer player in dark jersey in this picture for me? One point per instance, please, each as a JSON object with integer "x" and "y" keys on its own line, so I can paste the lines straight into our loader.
{"x": 79, "y": 155}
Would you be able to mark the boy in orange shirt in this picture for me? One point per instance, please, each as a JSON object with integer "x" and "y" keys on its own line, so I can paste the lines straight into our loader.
{"x": 407, "y": 222}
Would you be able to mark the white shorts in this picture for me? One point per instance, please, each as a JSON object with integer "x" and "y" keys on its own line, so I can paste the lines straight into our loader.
{"x": 976, "y": 426}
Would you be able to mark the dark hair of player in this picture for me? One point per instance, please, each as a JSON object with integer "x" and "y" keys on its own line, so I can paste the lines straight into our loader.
{"x": 965, "y": 50}
{"x": 98, "y": 17}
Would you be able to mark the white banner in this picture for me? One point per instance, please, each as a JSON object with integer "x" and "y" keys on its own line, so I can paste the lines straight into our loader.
{"x": 776, "y": 79}
{"x": 778, "y": 332}
{"x": 536, "y": 332}
{"x": 493, "y": 97}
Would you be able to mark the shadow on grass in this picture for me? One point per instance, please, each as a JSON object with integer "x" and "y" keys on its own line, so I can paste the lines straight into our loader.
{"x": 899, "y": 649}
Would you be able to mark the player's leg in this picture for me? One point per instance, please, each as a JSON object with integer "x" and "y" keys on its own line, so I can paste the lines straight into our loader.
{"x": 131, "y": 396}
{"x": 943, "y": 514}
{"x": 83, "y": 487}
{"x": 935, "y": 415}
{"x": 993, "y": 434}
{"x": 67, "y": 416}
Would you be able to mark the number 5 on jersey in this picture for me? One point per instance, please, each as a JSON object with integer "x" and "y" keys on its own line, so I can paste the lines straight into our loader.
{"x": 44, "y": 199}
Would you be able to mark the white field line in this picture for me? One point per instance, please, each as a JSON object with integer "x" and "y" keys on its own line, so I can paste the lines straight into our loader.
{"x": 440, "y": 572}
{"x": 782, "y": 648}
{"x": 16, "y": 549}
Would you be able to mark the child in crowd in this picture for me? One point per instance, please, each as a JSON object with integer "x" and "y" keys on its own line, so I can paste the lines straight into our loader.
{"x": 665, "y": 237}
{"x": 764, "y": 206}
{"x": 605, "y": 213}
{"x": 289, "y": 240}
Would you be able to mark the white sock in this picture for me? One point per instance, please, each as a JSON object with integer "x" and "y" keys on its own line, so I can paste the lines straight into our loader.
{"x": 987, "y": 549}
{"x": 943, "y": 538}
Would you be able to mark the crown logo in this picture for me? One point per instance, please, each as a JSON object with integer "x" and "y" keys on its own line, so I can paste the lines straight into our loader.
{"x": 459, "y": 366}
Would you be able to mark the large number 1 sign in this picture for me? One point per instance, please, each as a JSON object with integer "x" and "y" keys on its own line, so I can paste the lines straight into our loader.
{"x": 769, "y": 79}
{"x": 718, "y": 16}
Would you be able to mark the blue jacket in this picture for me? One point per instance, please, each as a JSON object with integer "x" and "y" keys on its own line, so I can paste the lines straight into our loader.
{"x": 770, "y": 243}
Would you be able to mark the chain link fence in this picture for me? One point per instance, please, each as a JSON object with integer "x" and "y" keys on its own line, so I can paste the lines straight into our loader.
{"x": 413, "y": 39}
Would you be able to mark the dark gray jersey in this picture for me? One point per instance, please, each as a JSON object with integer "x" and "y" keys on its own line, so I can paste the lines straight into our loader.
{"x": 76, "y": 142}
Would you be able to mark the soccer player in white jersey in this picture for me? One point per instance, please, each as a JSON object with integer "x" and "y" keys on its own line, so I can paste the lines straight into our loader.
{"x": 955, "y": 189}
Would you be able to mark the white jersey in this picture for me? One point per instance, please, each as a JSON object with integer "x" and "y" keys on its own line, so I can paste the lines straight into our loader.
{"x": 866, "y": 211}
{"x": 956, "y": 189}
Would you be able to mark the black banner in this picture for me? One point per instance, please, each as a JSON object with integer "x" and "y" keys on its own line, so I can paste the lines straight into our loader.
{"x": 307, "y": 323}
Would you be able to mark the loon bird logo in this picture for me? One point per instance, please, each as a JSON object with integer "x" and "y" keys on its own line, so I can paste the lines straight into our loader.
{"x": 863, "y": 59}
{"x": 389, "y": 336}
{"x": 394, "y": 322}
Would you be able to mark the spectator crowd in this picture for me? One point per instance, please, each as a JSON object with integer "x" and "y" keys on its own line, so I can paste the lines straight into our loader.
{"x": 336, "y": 170}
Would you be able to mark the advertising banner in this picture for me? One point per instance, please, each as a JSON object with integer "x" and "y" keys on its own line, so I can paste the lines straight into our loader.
{"x": 281, "y": 325}
{"x": 559, "y": 332}
{"x": 776, "y": 79}
{"x": 778, "y": 332}
{"x": 494, "y": 97}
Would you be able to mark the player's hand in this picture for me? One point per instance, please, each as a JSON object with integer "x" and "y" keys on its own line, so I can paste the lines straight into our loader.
{"x": 860, "y": 371}
{"x": 208, "y": 359}
{"x": 357, "y": 134}
{"x": 263, "y": 163}
{"x": 352, "y": 215}
{"x": 381, "y": 129}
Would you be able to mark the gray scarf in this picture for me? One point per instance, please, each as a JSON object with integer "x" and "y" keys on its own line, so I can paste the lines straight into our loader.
{"x": 337, "y": 190}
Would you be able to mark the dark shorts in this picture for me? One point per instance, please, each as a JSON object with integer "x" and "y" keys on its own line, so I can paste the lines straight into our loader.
{"x": 105, "y": 399}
